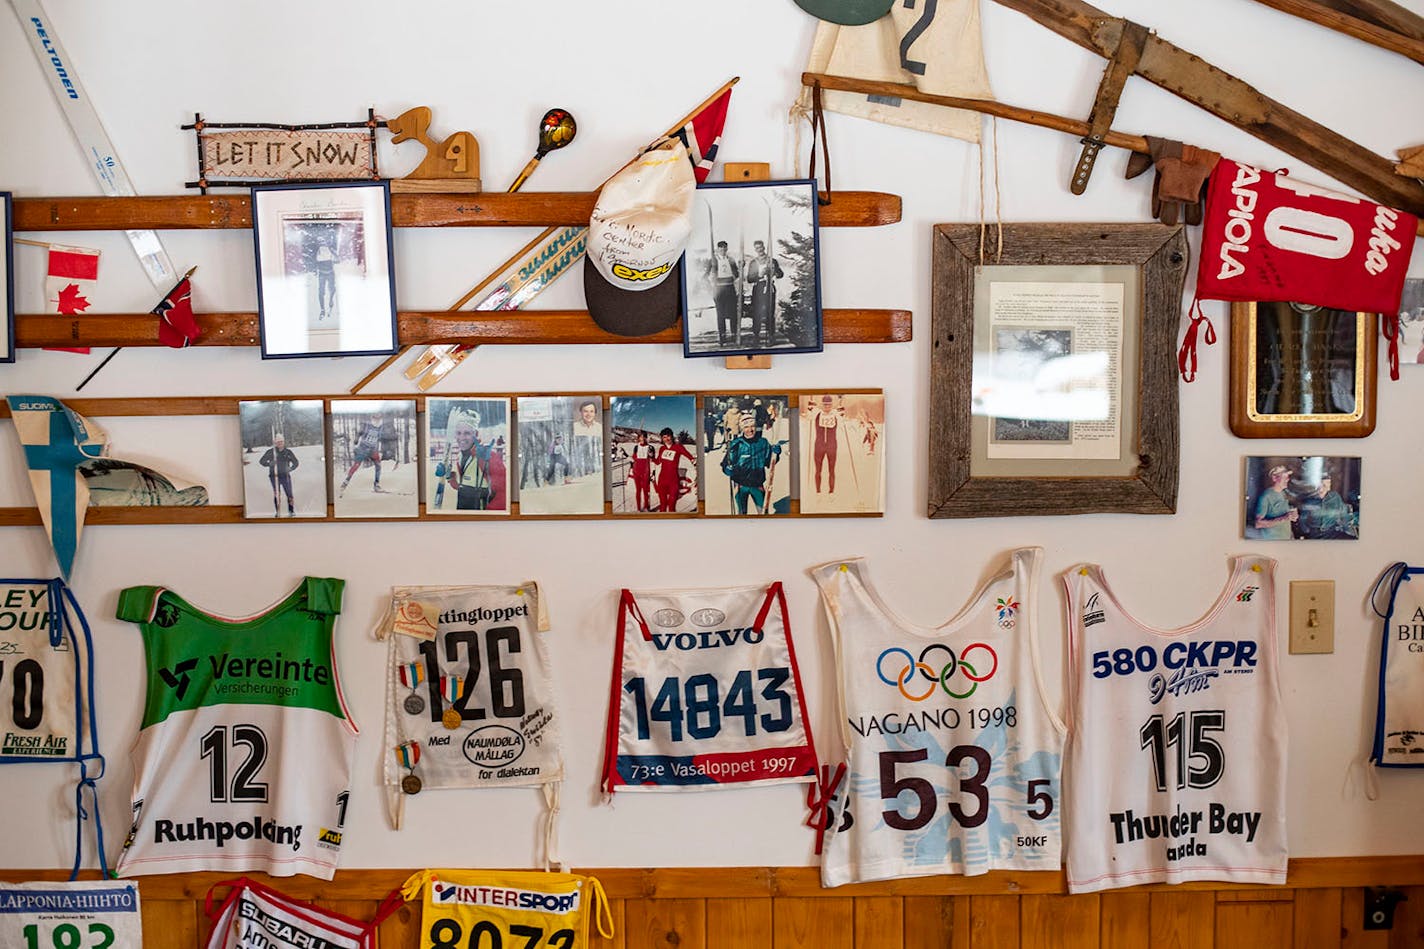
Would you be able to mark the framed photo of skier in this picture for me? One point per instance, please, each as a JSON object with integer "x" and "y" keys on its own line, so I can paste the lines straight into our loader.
{"x": 560, "y": 445}
{"x": 1053, "y": 378}
{"x": 7, "y": 279}
{"x": 374, "y": 454}
{"x": 325, "y": 270}
{"x": 751, "y": 470}
{"x": 842, "y": 453}
{"x": 283, "y": 458}
{"x": 751, "y": 274}
{"x": 467, "y": 455}
{"x": 653, "y": 453}
{"x": 1301, "y": 371}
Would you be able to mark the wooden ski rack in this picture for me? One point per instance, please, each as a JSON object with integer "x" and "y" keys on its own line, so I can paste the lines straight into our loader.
{"x": 512, "y": 327}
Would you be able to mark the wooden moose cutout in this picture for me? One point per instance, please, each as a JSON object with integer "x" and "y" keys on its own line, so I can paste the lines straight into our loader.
{"x": 451, "y": 165}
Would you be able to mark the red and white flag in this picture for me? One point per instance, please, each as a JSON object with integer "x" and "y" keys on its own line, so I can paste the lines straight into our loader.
{"x": 177, "y": 327}
{"x": 69, "y": 282}
{"x": 703, "y": 133}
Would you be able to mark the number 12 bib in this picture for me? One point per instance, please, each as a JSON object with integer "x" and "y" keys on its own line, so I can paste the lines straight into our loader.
{"x": 705, "y": 693}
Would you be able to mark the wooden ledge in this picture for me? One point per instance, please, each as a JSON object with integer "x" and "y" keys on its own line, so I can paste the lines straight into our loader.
{"x": 531, "y": 209}
{"x": 423, "y": 327}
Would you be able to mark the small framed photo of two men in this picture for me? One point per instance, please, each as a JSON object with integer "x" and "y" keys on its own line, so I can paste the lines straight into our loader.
{"x": 1312, "y": 497}
{"x": 325, "y": 270}
{"x": 751, "y": 274}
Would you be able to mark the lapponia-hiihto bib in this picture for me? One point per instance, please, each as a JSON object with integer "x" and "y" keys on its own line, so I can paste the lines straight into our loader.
{"x": 1176, "y": 760}
{"x": 243, "y": 761}
{"x": 470, "y": 694}
{"x": 952, "y": 754}
{"x": 88, "y": 913}
{"x": 47, "y": 691}
{"x": 705, "y": 693}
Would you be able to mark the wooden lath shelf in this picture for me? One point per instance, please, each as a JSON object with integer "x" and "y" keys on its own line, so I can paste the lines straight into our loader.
{"x": 496, "y": 209}
{"x": 421, "y": 327}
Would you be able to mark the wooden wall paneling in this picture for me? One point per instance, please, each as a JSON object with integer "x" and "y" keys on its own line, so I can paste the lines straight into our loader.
{"x": 879, "y": 922}
{"x": 665, "y": 924}
{"x": 1060, "y": 922}
{"x": 401, "y": 930}
{"x": 739, "y": 922}
{"x": 1317, "y": 919}
{"x": 812, "y": 923}
{"x": 1409, "y": 920}
{"x": 1254, "y": 924}
{"x": 994, "y": 922}
{"x": 169, "y": 924}
{"x": 1352, "y": 921}
{"x": 936, "y": 922}
{"x": 1126, "y": 919}
{"x": 1183, "y": 920}
{"x": 597, "y": 941}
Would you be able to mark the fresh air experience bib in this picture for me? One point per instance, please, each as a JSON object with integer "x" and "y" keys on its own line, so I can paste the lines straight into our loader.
{"x": 1176, "y": 765}
{"x": 952, "y": 754}
{"x": 243, "y": 760}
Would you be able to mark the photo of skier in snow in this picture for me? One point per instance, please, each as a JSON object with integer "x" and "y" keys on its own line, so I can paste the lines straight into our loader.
{"x": 750, "y": 463}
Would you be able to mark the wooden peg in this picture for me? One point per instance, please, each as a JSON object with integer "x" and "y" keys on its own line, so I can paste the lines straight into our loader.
{"x": 747, "y": 171}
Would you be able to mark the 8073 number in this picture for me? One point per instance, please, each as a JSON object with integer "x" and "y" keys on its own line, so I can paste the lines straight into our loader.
{"x": 447, "y": 933}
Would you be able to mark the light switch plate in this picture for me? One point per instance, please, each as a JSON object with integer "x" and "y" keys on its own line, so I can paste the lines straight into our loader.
{"x": 1312, "y": 616}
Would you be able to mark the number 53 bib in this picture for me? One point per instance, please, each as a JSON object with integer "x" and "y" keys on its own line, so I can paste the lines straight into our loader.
{"x": 705, "y": 693}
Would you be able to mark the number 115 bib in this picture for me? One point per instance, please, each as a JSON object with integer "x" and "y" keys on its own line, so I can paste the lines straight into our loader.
{"x": 705, "y": 693}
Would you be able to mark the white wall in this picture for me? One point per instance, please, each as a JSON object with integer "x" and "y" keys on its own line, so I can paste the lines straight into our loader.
{"x": 627, "y": 68}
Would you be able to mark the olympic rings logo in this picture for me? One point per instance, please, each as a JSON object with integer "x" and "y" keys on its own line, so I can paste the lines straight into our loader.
{"x": 955, "y": 665}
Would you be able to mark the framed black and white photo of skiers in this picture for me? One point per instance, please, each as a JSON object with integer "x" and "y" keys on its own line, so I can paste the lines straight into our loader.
{"x": 749, "y": 469}
{"x": 559, "y": 440}
{"x": 751, "y": 275}
{"x": 467, "y": 455}
{"x": 325, "y": 269}
{"x": 374, "y": 457}
{"x": 842, "y": 453}
{"x": 652, "y": 467}
{"x": 283, "y": 458}
{"x": 7, "y": 279}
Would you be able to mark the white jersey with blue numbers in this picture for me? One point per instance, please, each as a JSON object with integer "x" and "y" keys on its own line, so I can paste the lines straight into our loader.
{"x": 1177, "y": 739}
{"x": 952, "y": 753}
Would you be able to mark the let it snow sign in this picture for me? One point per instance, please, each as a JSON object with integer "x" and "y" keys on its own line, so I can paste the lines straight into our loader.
{"x": 240, "y": 154}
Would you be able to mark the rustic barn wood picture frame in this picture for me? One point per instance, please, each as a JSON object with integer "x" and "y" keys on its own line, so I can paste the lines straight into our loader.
{"x": 1150, "y": 261}
{"x": 1302, "y": 372}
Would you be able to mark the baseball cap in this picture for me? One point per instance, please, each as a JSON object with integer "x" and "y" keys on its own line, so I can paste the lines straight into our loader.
{"x": 636, "y": 235}
{"x": 1278, "y": 469}
{"x": 847, "y": 12}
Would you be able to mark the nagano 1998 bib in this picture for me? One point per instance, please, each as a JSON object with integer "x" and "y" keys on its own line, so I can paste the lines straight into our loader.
{"x": 83, "y": 915}
{"x": 952, "y": 755}
{"x": 470, "y": 694}
{"x": 47, "y": 687}
{"x": 705, "y": 693}
{"x": 1176, "y": 764}
{"x": 243, "y": 761}
{"x": 472, "y": 909}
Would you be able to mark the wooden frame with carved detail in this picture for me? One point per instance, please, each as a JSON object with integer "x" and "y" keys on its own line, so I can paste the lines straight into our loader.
{"x": 1302, "y": 371}
{"x": 1143, "y": 480}
{"x": 7, "y": 280}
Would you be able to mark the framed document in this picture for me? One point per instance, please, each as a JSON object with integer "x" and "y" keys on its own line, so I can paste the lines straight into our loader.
{"x": 325, "y": 271}
{"x": 1300, "y": 371}
{"x": 7, "y": 281}
{"x": 1053, "y": 386}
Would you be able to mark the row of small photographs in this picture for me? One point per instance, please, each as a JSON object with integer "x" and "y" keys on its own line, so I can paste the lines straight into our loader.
{"x": 553, "y": 459}
{"x": 1310, "y": 497}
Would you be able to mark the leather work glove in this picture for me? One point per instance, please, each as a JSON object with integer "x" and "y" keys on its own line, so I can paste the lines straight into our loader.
{"x": 1179, "y": 189}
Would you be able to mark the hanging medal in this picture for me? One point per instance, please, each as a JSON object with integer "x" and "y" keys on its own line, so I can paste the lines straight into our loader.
{"x": 408, "y": 754}
{"x": 450, "y": 686}
{"x": 412, "y": 674}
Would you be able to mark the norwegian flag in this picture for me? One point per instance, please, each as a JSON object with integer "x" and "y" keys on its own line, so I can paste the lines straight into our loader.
{"x": 177, "y": 327}
{"x": 703, "y": 133}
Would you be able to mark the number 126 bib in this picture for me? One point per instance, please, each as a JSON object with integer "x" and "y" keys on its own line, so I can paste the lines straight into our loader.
{"x": 705, "y": 693}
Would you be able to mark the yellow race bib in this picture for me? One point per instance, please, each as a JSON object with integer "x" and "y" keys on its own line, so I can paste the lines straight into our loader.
{"x": 507, "y": 909}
